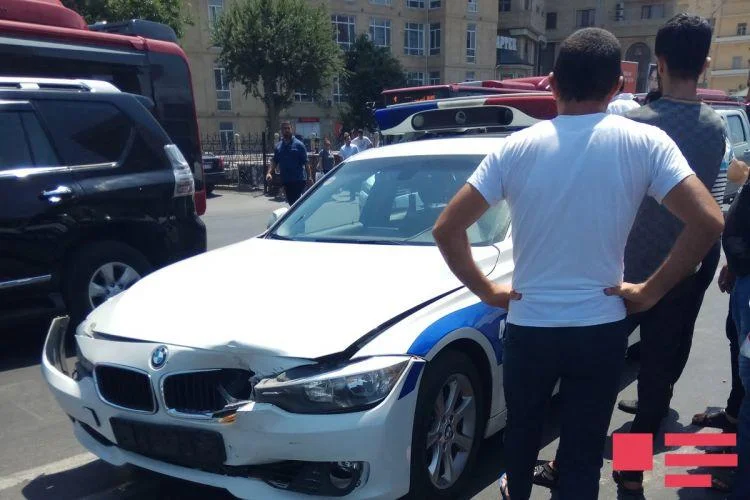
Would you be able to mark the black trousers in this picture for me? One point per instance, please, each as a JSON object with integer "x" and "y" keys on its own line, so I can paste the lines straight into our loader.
{"x": 666, "y": 338}
{"x": 588, "y": 362}
{"x": 293, "y": 191}
{"x": 738, "y": 392}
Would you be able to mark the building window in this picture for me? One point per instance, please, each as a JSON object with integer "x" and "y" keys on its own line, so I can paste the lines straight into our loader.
{"x": 215, "y": 8}
{"x": 226, "y": 135}
{"x": 301, "y": 96}
{"x": 415, "y": 4}
{"x": 223, "y": 93}
{"x": 551, "y": 21}
{"x": 737, "y": 62}
{"x": 472, "y": 6}
{"x": 471, "y": 43}
{"x": 337, "y": 95}
{"x": 742, "y": 29}
{"x": 380, "y": 2}
{"x": 504, "y": 5}
{"x": 585, "y": 18}
{"x": 435, "y": 4}
{"x": 414, "y": 79}
{"x": 655, "y": 11}
{"x": 380, "y": 32}
{"x": 434, "y": 39}
{"x": 526, "y": 4}
{"x": 434, "y": 77}
{"x": 470, "y": 76}
{"x": 414, "y": 39}
{"x": 344, "y": 27}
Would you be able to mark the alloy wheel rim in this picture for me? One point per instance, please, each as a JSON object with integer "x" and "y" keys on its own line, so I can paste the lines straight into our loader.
{"x": 451, "y": 431}
{"x": 109, "y": 280}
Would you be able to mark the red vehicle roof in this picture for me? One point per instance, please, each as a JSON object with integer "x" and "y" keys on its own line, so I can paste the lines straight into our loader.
{"x": 48, "y": 12}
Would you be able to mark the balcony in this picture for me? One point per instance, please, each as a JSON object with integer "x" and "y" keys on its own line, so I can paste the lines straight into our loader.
{"x": 732, "y": 39}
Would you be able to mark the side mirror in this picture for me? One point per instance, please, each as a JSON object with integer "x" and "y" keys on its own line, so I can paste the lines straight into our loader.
{"x": 276, "y": 215}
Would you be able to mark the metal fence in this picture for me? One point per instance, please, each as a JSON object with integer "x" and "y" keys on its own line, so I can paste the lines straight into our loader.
{"x": 246, "y": 157}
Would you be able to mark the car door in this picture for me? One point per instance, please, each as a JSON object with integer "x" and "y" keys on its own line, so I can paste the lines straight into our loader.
{"x": 37, "y": 197}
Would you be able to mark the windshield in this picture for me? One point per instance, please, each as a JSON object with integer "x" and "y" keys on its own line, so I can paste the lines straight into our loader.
{"x": 389, "y": 201}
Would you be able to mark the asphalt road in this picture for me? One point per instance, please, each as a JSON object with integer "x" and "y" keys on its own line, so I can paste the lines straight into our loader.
{"x": 40, "y": 459}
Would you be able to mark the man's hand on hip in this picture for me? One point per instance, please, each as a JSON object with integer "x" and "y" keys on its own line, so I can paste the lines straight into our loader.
{"x": 637, "y": 297}
{"x": 500, "y": 296}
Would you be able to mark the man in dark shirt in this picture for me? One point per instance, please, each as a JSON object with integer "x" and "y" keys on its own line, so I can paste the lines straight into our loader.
{"x": 666, "y": 330}
{"x": 326, "y": 157}
{"x": 290, "y": 156}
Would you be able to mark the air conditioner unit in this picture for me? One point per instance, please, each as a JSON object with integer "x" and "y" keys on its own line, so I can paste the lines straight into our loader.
{"x": 620, "y": 12}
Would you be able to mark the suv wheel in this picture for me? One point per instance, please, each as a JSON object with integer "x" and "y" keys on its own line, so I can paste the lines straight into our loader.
{"x": 449, "y": 425}
{"x": 98, "y": 272}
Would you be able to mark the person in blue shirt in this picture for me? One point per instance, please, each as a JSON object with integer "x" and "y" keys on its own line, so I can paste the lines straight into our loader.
{"x": 290, "y": 156}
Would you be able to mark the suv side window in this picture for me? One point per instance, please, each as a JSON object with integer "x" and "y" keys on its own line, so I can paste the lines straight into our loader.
{"x": 23, "y": 143}
{"x": 737, "y": 132}
{"x": 87, "y": 133}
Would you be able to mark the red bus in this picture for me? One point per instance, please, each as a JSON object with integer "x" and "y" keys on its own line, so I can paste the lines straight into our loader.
{"x": 42, "y": 38}
{"x": 432, "y": 92}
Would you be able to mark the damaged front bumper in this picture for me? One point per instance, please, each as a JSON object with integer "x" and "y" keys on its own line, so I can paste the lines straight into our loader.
{"x": 253, "y": 450}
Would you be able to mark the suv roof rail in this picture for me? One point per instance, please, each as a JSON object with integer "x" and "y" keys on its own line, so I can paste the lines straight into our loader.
{"x": 59, "y": 84}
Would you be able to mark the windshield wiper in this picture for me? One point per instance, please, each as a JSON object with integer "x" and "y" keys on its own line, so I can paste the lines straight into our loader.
{"x": 357, "y": 241}
{"x": 274, "y": 236}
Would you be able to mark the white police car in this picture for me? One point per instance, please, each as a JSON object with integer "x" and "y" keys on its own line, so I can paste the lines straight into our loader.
{"x": 370, "y": 374}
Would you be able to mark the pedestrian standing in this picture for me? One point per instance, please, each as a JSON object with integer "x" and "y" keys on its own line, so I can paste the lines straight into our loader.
{"x": 290, "y": 156}
{"x": 666, "y": 331}
{"x": 362, "y": 141}
{"x": 567, "y": 303}
{"x": 348, "y": 149}
{"x": 622, "y": 103}
{"x": 325, "y": 157}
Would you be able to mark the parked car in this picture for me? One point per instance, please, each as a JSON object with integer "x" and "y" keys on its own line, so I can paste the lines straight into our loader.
{"x": 738, "y": 132}
{"x": 213, "y": 171}
{"x": 93, "y": 196}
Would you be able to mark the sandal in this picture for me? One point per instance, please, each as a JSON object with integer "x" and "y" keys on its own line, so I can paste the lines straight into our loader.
{"x": 503, "y": 484}
{"x": 621, "y": 477}
{"x": 717, "y": 420}
{"x": 546, "y": 475}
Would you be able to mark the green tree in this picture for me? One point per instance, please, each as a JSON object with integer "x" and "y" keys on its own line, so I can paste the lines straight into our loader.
{"x": 369, "y": 70}
{"x": 277, "y": 47}
{"x": 170, "y": 12}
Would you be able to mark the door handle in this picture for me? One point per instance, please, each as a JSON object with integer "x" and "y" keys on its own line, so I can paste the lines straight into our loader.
{"x": 56, "y": 195}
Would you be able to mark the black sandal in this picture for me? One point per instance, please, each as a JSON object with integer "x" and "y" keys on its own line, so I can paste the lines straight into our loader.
{"x": 503, "y": 484}
{"x": 621, "y": 477}
{"x": 546, "y": 475}
{"x": 717, "y": 420}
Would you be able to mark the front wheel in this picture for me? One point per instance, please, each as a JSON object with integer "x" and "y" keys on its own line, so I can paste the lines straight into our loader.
{"x": 449, "y": 424}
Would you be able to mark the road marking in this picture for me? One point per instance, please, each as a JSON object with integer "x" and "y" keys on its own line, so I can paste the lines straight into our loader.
{"x": 52, "y": 468}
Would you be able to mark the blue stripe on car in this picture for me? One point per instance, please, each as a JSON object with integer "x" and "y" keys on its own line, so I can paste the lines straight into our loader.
{"x": 486, "y": 319}
{"x": 390, "y": 117}
{"x": 411, "y": 379}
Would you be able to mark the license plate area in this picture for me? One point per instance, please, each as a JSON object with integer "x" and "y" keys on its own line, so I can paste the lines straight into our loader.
{"x": 178, "y": 445}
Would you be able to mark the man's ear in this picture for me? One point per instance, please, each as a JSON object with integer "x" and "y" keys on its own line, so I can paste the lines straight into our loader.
{"x": 553, "y": 86}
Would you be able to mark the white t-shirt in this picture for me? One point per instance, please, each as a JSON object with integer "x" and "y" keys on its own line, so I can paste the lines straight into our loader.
{"x": 621, "y": 104}
{"x": 362, "y": 143}
{"x": 347, "y": 151}
{"x": 574, "y": 185}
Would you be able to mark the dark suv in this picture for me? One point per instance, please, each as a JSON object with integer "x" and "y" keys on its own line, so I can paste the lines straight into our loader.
{"x": 93, "y": 196}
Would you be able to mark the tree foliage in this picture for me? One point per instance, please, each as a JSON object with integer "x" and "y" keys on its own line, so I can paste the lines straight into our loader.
{"x": 169, "y": 12}
{"x": 277, "y": 47}
{"x": 369, "y": 70}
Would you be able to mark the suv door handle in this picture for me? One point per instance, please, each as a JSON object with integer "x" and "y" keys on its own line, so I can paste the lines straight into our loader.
{"x": 56, "y": 195}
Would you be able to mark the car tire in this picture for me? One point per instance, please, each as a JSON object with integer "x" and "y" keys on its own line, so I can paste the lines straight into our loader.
{"x": 92, "y": 259}
{"x": 449, "y": 366}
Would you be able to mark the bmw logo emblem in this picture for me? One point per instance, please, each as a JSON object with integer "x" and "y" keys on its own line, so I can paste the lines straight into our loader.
{"x": 159, "y": 357}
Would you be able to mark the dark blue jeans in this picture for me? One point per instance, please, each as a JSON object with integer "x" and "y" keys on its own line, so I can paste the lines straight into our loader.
{"x": 741, "y": 313}
{"x": 588, "y": 362}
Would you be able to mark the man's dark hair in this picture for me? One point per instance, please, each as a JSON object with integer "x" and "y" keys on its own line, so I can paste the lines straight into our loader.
{"x": 684, "y": 42}
{"x": 588, "y": 65}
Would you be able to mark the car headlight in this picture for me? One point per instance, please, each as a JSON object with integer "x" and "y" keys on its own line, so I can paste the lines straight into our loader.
{"x": 354, "y": 387}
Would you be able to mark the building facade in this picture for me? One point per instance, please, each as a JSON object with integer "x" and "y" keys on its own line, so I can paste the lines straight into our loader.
{"x": 437, "y": 41}
{"x": 521, "y": 38}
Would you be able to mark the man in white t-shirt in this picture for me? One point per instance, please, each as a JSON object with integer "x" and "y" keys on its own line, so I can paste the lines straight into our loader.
{"x": 574, "y": 185}
{"x": 348, "y": 149}
{"x": 361, "y": 141}
{"x": 622, "y": 103}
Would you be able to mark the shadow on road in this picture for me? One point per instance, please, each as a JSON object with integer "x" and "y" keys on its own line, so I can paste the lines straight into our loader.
{"x": 22, "y": 345}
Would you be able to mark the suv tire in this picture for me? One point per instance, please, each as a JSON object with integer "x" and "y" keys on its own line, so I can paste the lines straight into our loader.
{"x": 87, "y": 262}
